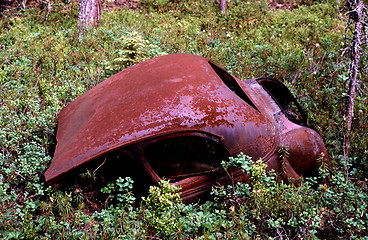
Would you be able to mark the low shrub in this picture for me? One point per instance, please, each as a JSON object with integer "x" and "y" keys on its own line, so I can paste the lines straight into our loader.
{"x": 267, "y": 208}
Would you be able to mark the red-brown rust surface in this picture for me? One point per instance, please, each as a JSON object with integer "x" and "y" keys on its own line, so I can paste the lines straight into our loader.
{"x": 183, "y": 95}
{"x": 168, "y": 94}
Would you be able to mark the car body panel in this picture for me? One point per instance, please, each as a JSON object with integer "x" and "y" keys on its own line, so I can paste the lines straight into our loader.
{"x": 177, "y": 98}
{"x": 168, "y": 94}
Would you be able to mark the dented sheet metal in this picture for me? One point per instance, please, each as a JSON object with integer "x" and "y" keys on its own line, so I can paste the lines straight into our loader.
{"x": 182, "y": 95}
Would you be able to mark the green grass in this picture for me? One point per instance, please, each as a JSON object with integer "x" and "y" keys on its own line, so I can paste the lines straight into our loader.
{"x": 44, "y": 65}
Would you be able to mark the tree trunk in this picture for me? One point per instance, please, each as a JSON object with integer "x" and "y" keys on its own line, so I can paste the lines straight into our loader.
{"x": 354, "y": 68}
{"x": 89, "y": 14}
{"x": 223, "y": 6}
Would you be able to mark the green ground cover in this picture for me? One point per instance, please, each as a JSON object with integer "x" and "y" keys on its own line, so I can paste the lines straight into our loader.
{"x": 44, "y": 65}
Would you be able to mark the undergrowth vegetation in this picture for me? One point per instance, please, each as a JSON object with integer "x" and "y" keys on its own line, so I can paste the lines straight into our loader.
{"x": 44, "y": 65}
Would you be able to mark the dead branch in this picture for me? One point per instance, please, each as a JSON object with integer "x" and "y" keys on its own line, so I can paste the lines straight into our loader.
{"x": 357, "y": 20}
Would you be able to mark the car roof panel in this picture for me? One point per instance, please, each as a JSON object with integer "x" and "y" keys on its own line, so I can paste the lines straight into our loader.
{"x": 163, "y": 95}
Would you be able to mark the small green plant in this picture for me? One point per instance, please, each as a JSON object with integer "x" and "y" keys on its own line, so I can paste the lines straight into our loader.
{"x": 283, "y": 156}
{"x": 134, "y": 49}
{"x": 122, "y": 189}
{"x": 161, "y": 209}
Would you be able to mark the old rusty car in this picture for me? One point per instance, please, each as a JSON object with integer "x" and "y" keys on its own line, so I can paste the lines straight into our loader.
{"x": 178, "y": 116}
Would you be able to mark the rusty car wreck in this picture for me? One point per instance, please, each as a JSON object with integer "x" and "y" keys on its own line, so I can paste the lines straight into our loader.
{"x": 178, "y": 116}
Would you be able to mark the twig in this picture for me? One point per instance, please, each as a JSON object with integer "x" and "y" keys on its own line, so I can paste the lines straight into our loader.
{"x": 100, "y": 165}
{"x": 151, "y": 237}
{"x": 49, "y": 6}
{"x": 357, "y": 17}
{"x": 20, "y": 175}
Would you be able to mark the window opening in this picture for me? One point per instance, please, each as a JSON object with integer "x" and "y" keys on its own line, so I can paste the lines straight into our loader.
{"x": 231, "y": 83}
{"x": 285, "y": 100}
{"x": 108, "y": 168}
{"x": 182, "y": 157}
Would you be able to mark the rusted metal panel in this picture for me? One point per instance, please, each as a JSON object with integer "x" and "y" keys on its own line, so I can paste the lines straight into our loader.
{"x": 160, "y": 96}
{"x": 181, "y": 95}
